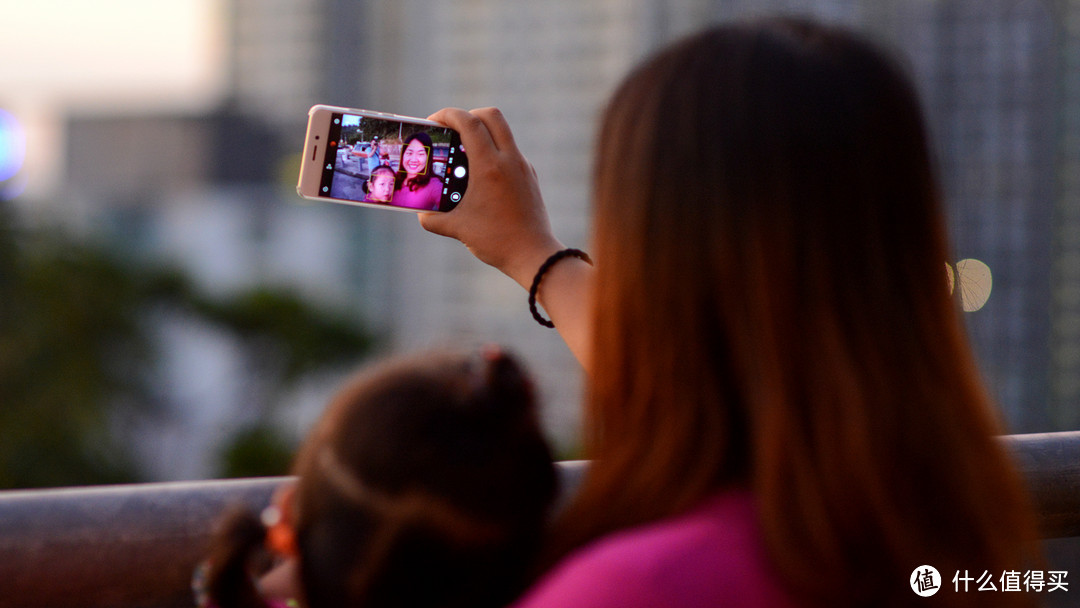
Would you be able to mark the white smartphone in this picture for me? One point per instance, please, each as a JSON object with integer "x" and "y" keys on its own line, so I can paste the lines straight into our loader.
{"x": 382, "y": 160}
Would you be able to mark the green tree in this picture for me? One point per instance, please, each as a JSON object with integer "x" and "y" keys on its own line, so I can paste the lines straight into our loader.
{"x": 77, "y": 352}
{"x": 282, "y": 340}
{"x": 257, "y": 451}
{"x": 72, "y": 352}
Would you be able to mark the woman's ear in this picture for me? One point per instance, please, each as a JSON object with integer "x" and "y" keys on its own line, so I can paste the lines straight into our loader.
{"x": 278, "y": 518}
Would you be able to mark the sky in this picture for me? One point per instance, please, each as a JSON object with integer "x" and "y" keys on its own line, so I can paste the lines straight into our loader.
{"x": 109, "y": 51}
{"x": 107, "y": 56}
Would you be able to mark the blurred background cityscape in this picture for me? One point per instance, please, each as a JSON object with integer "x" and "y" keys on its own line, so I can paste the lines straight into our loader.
{"x": 170, "y": 309}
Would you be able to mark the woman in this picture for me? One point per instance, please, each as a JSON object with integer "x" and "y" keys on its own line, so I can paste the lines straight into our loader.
{"x": 417, "y": 186}
{"x": 782, "y": 405}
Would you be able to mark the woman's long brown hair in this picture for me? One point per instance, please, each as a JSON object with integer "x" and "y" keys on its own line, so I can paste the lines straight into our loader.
{"x": 772, "y": 312}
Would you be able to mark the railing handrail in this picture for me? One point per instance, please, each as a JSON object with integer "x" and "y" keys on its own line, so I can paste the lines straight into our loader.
{"x": 123, "y": 546}
{"x": 1050, "y": 464}
{"x": 136, "y": 545}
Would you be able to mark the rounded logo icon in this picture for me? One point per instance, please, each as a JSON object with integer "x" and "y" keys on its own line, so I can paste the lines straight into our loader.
{"x": 925, "y": 581}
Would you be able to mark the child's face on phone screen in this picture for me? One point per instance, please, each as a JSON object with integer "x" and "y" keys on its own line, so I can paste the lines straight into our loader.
{"x": 382, "y": 187}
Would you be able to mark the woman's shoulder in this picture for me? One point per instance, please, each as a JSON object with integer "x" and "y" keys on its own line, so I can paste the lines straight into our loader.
{"x": 710, "y": 556}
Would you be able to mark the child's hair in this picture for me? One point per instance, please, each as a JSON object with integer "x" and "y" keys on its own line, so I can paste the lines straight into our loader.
{"x": 426, "y": 483}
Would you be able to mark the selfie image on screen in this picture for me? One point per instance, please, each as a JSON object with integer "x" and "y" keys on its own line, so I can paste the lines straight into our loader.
{"x": 380, "y": 161}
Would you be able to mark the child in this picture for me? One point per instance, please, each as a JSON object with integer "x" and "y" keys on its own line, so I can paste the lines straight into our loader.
{"x": 380, "y": 185}
{"x": 426, "y": 483}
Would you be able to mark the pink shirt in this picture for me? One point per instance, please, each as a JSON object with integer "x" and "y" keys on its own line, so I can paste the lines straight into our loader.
{"x": 710, "y": 556}
{"x": 426, "y": 197}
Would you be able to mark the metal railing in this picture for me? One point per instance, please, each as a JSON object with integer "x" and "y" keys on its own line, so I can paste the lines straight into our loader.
{"x": 136, "y": 545}
{"x": 112, "y": 546}
{"x": 124, "y": 546}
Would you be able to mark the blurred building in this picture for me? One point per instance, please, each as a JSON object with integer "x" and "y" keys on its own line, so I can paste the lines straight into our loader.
{"x": 1065, "y": 277}
{"x": 286, "y": 55}
{"x": 999, "y": 79}
{"x": 548, "y": 66}
{"x": 988, "y": 71}
{"x": 215, "y": 193}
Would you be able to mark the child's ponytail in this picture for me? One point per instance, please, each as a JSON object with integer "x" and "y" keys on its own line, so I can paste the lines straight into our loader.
{"x": 236, "y": 545}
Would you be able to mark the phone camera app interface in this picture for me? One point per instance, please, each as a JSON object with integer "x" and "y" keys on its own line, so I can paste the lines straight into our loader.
{"x": 387, "y": 162}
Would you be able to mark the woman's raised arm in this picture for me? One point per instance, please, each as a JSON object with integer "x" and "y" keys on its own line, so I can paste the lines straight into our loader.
{"x": 503, "y": 222}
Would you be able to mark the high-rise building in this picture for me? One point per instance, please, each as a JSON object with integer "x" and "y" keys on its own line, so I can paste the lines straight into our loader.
{"x": 1065, "y": 341}
{"x": 549, "y": 67}
{"x": 988, "y": 73}
{"x": 284, "y": 56}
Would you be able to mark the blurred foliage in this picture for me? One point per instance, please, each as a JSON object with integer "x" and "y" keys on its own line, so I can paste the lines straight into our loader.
{"x": 257, "y": 451}
{"x": 77, "y": 352}
{"x": 283, "y": 340}
{"x": 285, "y": 337}
{"x": 388, "y": 131}
{"x": 71, "y": 351}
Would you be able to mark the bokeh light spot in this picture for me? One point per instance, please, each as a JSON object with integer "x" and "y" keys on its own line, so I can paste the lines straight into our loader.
{"x": 976, "y": 281}
{"x": 12, "y": 146}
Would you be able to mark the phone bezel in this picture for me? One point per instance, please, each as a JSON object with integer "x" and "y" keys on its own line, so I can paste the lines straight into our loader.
{"x": 316, "y": 140}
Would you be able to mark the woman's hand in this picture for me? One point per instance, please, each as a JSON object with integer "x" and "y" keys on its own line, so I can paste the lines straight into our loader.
{"x": 503, "y": 222}
{"x": 501, "y": 219}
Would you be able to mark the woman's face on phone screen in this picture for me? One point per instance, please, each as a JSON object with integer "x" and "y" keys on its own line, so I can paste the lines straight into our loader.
{"x": 414, "y": 159}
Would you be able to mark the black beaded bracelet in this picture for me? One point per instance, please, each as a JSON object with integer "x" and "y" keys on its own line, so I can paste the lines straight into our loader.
{"x": 546, "y": 266}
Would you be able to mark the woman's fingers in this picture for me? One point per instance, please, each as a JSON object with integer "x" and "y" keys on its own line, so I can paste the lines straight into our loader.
{"x": 480, "y": 128}
{"x": 474, "y": 133}
{"x": 438, "y": 223}
{"x": 497, "y": 126}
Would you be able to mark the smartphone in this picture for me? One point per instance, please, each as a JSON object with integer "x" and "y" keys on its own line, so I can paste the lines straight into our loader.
{"x": 382, "y": 160}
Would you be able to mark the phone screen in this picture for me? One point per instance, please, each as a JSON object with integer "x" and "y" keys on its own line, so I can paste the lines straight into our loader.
{"x": 388, "y": 162}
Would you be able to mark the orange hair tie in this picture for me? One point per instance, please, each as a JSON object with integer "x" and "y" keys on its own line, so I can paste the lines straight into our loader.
{"x": 280, "y": 537}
